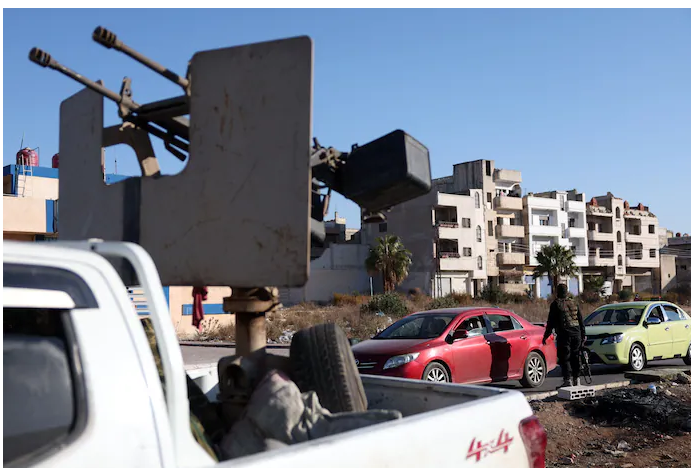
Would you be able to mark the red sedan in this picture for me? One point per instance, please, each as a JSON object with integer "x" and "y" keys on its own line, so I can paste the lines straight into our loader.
{"x": 463, "y": 345}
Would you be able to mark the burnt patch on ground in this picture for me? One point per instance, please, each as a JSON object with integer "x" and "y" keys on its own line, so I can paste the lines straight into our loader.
{"x": 637, "y": 407}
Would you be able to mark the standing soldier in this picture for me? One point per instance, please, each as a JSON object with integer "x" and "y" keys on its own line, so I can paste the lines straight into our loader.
{"x": 566, "y": 320}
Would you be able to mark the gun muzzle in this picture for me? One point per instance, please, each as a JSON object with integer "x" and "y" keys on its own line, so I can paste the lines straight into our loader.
{"x": 106, "y": 38}
{"x": 109, "y": 40}
{"x": 41, "y": 58}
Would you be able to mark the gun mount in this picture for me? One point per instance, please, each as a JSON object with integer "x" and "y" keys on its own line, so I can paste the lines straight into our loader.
{"x": 253, "y": 196}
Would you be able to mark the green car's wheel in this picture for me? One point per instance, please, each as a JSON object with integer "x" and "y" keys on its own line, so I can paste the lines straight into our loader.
{"x": 687, "y": 358}
{"x": 636, "y": 357}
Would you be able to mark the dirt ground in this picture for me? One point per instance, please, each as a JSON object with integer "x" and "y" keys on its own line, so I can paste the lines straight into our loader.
{"x": 597, "y": 433}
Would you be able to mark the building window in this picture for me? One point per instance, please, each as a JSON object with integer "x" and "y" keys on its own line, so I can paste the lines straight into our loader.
{"x": 467, "y": 252}
{"x": 620, "y": 261}
{"x": 653, "y": 253}
{"x": 477, "y": 200}
{"x": 479, "y": 263}
{"x": 489, "y": 197}
{"x": 618, "y": 236}
{"x": 490, "y": 228}
{"x": 478, "y": 233}
{"x": 651, "y": 229}
{"x": 488, "y": 168}
{"x": 618, "y": 212}
{"x": 544, "y": 220}
{"x": 383, "y": 227}
{"x": 572, "y": 222}
{"x": 591, "y": 226}
{"x": 683, "y": 267}
{"x": 465, "y": 222}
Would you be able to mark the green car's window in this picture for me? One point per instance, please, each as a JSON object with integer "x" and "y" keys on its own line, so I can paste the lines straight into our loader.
{"x": 656, "y": 312}
{"x": 674, "y": 314}
{"x": 615, "y": 316}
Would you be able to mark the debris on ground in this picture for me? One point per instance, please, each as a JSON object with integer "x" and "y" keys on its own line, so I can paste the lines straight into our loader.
{"x": 629, "y": 407}
{"x": 575, "y": 437}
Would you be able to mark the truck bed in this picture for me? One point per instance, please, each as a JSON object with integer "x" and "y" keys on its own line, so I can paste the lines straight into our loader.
{"x": 444, "y": 421}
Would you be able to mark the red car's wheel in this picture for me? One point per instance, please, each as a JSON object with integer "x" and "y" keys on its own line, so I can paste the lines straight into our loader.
{"x": 435, "y": 372}
{"x": 534, "y": 371}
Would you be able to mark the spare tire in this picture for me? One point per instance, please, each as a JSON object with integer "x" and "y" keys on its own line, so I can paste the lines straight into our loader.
{"x": 323, "y": 362}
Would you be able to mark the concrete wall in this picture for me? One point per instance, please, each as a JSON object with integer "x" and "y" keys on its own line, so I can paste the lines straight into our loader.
{"x": 20, "y": 214}
{"x": 180, "y": 300}
{"x": 413, "y": 223}
{"x": 341, "y": 269}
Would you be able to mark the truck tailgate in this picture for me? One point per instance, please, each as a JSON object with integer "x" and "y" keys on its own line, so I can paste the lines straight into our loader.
{"x": 443, "y": 425}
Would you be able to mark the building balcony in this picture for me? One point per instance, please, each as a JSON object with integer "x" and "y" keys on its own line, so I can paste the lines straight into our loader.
{"x": 598, "y": 211}
{"x": 508, "y": 203}
{"x": 507, "y": 230}
{"x": 576, "y": 206}
{"x": 575, "y": 232}
{"x": 601, "y": 236}
{"x": 448, "y": 233}
{"x": 513, "y": 288}
{"x": 510, "y": 258}
{"x": 453, "y": 262}
{"x": 544, "y": 231}
{"x": 644, "y": 262}
{"x": 594, "y": 261}
{"x": 507, "y": 176}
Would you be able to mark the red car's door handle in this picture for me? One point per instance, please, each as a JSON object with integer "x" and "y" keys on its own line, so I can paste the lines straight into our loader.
{"x": 523, "y": 337}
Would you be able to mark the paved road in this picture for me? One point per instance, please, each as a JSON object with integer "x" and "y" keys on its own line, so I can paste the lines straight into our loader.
{"x": 195, "y": 355}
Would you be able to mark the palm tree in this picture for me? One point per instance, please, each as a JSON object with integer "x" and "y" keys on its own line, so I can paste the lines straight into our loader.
{"x": 557, "y": 262}
{"x": 390, "y": 258}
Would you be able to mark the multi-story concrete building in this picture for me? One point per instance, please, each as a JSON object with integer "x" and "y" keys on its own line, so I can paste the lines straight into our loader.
{"x": 555, "y": 218}
{"x": 498, "y": 192}
{"x": 624, "y": 243}
{"x": 675, "y": 262}
{"x": 445, "y": 234}
{"x": 29, "y": 203}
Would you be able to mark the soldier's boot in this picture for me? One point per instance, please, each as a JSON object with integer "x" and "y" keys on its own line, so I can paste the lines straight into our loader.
{"x": 566, "y": 383}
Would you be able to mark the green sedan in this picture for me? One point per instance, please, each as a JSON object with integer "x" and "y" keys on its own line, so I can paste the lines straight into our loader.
{"x": 633, "y": 333}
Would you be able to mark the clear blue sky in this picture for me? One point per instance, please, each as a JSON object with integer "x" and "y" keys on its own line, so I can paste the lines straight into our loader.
{"x": 598, "y": 100}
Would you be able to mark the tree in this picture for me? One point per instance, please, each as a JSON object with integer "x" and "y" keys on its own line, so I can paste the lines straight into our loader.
{"x": 594, "y": 284}
{"x": 557, "y": 262}
{"x": 390, "y": 258}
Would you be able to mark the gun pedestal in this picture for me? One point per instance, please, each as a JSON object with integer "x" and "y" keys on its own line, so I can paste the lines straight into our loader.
{"x": 251, "y": 306}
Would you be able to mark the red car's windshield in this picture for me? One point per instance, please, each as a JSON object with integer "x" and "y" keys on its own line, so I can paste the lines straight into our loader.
{"x": 422, "y": 326}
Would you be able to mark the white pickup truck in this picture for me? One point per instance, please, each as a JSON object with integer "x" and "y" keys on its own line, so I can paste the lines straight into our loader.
{"x": 82, "y": 389}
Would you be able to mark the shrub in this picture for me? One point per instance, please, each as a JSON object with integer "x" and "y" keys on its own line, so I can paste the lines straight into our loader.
{"x": 461, "y": 299}
{"x": 445, "y": 302}
{"x": 388, "y": 303}
{"x": 671, "y": 296}
{"x": 625, "y": 295}
{"x": 349, "y": 299}
{"x": 493, "y": 295}
{"x": 590, "y": 297}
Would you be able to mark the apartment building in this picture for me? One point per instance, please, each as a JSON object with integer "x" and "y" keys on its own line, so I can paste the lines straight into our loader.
{"x": 498, "y": 192}
{"x": 555, "y": 218}
{"x": 624, "y": 243}
{"x": 675, "y": 261}
{"x": 445, "y": 234}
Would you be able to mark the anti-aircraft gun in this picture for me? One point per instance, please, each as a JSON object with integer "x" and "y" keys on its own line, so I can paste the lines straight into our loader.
{"x": 251, "y": 201}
